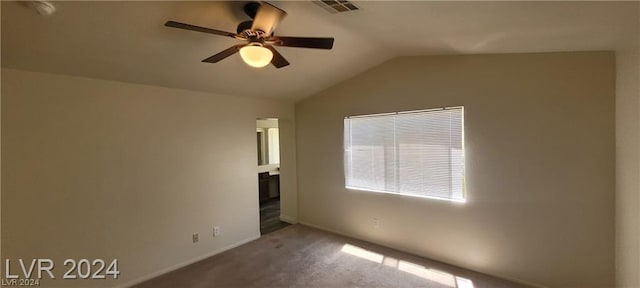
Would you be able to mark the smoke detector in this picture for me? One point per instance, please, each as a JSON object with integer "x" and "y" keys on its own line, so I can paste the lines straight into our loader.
{"x": 42, "y": 7}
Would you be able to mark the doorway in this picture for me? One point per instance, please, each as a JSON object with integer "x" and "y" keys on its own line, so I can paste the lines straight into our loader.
{"x": 268, "y": 145}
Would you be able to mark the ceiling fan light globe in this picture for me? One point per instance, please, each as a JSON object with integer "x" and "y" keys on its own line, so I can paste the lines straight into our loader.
{"x": 256, "y": 56}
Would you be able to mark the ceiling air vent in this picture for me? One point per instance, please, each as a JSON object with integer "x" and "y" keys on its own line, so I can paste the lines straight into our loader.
{"x": 336, "y": 6}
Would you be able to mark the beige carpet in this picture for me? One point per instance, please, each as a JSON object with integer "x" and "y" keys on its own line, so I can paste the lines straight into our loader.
{"x": 300, "y": 256}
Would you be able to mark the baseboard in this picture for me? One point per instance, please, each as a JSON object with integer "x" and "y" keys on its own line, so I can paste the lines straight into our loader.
{"x": 418, "y": 254}
{"x": 184, "y": 263}
{"x": 288, "y": 219}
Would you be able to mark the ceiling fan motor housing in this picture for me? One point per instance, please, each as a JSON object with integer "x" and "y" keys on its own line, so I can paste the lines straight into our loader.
{"x": 253, "y": 34}
{"x": 246, "y": 25}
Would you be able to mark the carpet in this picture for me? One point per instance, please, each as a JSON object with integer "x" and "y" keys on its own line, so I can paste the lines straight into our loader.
{"x": 300, "y": 256}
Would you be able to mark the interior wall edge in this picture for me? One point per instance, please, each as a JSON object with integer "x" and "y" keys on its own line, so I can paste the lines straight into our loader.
{"x": 627, "y": 199}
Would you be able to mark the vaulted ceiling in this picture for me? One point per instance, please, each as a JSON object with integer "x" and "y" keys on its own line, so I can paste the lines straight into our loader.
{"x": 126, "y": 41}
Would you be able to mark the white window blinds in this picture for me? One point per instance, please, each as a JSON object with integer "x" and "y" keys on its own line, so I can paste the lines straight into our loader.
{"x": 413, "y": 153}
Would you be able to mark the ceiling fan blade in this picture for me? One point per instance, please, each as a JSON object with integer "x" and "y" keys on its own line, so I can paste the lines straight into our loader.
{"x": 224, "y": 54}
{"x": 185, "y": 26}
{"x": 277, "y": 60}
{"x": 302, "y": 42}
{"x": 267, "y": 18}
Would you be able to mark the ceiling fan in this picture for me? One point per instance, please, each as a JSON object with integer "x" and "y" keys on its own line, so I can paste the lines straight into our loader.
{"x": 258, "y": 51}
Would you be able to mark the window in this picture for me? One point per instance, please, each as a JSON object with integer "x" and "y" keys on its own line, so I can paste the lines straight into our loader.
{"x": 417, "y": 153}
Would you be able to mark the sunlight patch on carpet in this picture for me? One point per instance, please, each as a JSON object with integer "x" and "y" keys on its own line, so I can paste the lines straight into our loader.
{"x": 438, "y": 276}
{"x": 362, "y": 253}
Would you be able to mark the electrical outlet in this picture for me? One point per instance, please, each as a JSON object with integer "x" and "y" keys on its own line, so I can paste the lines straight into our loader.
{"x": 216, "y": 231}
{"x": 195, "y": 238}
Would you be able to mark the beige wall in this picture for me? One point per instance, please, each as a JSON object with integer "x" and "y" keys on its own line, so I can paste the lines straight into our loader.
{"x": 627, "y": 170}
{"x": 100, "y": 169}
{"x": 539, "y": 140}
{"x": 627, "y": 161}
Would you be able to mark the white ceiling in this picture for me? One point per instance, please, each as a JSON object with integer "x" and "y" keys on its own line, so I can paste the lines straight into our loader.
{"x": 126, "y": 41}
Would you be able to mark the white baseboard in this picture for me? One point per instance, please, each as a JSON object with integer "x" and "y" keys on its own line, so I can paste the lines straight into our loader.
{"x": 419, "y": 254}
{"x": 185, "y": 263}
{"x": 288, "y": 219}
